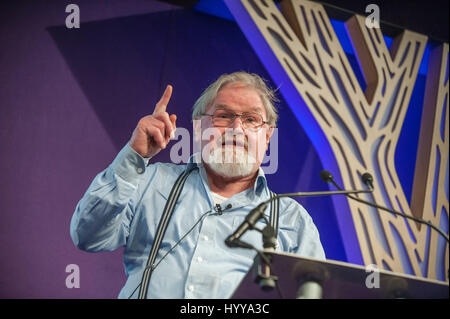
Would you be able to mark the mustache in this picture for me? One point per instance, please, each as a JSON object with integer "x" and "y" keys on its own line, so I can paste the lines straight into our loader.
{"x": 232, "y": 139}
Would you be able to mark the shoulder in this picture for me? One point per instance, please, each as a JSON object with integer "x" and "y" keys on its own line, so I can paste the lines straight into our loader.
{"x": 294, "y": 217}
{"x": 289, "y": 207}
{"x": 298, "y": 233}
{"x": 167, "y": 169}
{"x": 164, "y": 172}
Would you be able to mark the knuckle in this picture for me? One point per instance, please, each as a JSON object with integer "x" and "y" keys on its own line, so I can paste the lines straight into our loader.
{"x": 163, "y": 116}
{"x": 155, "y": 122}
{"x": 155, "y": 131}
{"x": 141, "y": 122}
{"x": 145, "y": 121}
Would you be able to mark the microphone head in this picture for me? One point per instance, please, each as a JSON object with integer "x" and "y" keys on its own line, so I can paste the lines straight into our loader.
{"x": 367, "y": 179}
{"x": 326, "y": 176}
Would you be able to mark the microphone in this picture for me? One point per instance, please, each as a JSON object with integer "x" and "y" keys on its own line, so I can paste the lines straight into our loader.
{"x": 219, "y": 209}
{"x": 248, "y": 223}
{"x": 368, "y": 180}
{"x": 326, "y": 176}
{"x": 257, "y": 213}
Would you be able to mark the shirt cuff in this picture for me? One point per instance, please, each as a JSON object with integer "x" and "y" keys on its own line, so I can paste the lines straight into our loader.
{"x": 129, "y": 165}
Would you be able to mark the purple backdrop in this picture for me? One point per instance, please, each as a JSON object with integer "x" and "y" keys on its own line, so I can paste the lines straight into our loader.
{"x": 70, "y": 99}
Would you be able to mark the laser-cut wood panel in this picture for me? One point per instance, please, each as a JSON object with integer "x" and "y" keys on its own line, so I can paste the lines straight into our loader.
{"x": 430, "y": 188}
{"x": 363, "y": 127}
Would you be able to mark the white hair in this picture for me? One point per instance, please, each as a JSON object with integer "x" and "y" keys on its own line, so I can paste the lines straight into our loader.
{"x": 252, "y": 81}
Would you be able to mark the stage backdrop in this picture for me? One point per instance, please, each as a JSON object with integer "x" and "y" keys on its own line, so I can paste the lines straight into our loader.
{"x": 355, "y": 122}
{"x": 70, "y": 99}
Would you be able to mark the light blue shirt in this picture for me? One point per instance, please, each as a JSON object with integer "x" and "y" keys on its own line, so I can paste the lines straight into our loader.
{"x": 123, "y": 207}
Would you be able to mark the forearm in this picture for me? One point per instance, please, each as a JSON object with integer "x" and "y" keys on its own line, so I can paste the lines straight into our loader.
{"x": 102, "y": 217}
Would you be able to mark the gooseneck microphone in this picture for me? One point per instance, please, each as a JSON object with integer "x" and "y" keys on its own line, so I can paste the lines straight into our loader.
{"x": 250, "y": 220}
{"x": 258, "y": 212}
{"x": 367, "y": 179}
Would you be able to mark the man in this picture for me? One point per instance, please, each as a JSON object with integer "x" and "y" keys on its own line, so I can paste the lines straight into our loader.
{"x": 233, "y": 122}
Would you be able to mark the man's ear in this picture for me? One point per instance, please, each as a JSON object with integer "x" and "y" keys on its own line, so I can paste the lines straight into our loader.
{"x": 197, "y": 127}
{"x": 269, "y": 133}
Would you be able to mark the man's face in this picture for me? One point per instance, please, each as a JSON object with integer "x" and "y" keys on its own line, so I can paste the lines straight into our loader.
{"x": 236, "y": 149}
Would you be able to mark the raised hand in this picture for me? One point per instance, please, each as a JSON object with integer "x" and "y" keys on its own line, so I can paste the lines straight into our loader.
{"x": 153, "y": 132}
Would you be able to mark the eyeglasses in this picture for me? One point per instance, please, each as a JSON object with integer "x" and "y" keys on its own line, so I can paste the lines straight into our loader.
{"x": 224, "y": 118}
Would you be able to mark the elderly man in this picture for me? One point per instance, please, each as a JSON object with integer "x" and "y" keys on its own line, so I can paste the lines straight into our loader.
{"x": 174, "y": 219}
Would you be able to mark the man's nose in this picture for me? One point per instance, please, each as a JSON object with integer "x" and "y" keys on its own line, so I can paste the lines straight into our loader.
{"x": 237, "y": 123}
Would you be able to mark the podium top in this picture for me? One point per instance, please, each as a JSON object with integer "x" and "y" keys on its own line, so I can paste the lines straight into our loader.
{"x": 339, "y": 280}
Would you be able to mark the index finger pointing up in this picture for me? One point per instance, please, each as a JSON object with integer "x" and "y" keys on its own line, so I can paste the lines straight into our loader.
{"x": 162, "y": 104}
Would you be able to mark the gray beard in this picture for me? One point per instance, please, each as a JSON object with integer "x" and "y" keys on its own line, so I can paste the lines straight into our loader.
{"x": 231, "y": 162}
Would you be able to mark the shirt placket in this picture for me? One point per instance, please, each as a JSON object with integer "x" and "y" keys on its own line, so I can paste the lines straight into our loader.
{"x": 199, "y": 282}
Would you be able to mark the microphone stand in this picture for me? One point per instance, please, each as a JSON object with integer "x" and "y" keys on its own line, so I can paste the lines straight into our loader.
{"x": 258, "y": 213}
{"x": 263, "y": 272}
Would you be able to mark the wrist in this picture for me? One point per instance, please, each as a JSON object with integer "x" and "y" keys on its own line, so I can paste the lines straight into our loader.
{"x": 129, "y": 165}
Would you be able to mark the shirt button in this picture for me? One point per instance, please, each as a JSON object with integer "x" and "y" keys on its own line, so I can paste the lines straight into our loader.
{"x": 205, "y": 238}
{"x": 139, "y": 170}
{"x": 199, "y": 259}
{"x": 191, "y": 288}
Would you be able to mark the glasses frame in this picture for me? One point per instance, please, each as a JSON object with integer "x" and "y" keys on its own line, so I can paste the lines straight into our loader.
{"x": 240, "y": 117}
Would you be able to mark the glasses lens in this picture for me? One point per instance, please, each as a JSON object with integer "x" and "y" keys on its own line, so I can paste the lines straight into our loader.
{"x": 224, "y": 118}
{"x": 251, "y": 120}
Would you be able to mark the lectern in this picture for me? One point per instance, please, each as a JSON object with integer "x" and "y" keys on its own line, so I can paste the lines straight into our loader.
{"x": 299, "y": 277}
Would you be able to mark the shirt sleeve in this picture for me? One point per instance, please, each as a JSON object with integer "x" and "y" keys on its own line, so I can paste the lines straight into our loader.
{"x": 308, "y": 237}
{"x": 102, "y": 217}
{"x": 300, "y": 234}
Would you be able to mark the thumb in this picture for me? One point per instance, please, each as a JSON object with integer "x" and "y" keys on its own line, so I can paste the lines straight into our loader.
{"x": 173, "y": 118}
